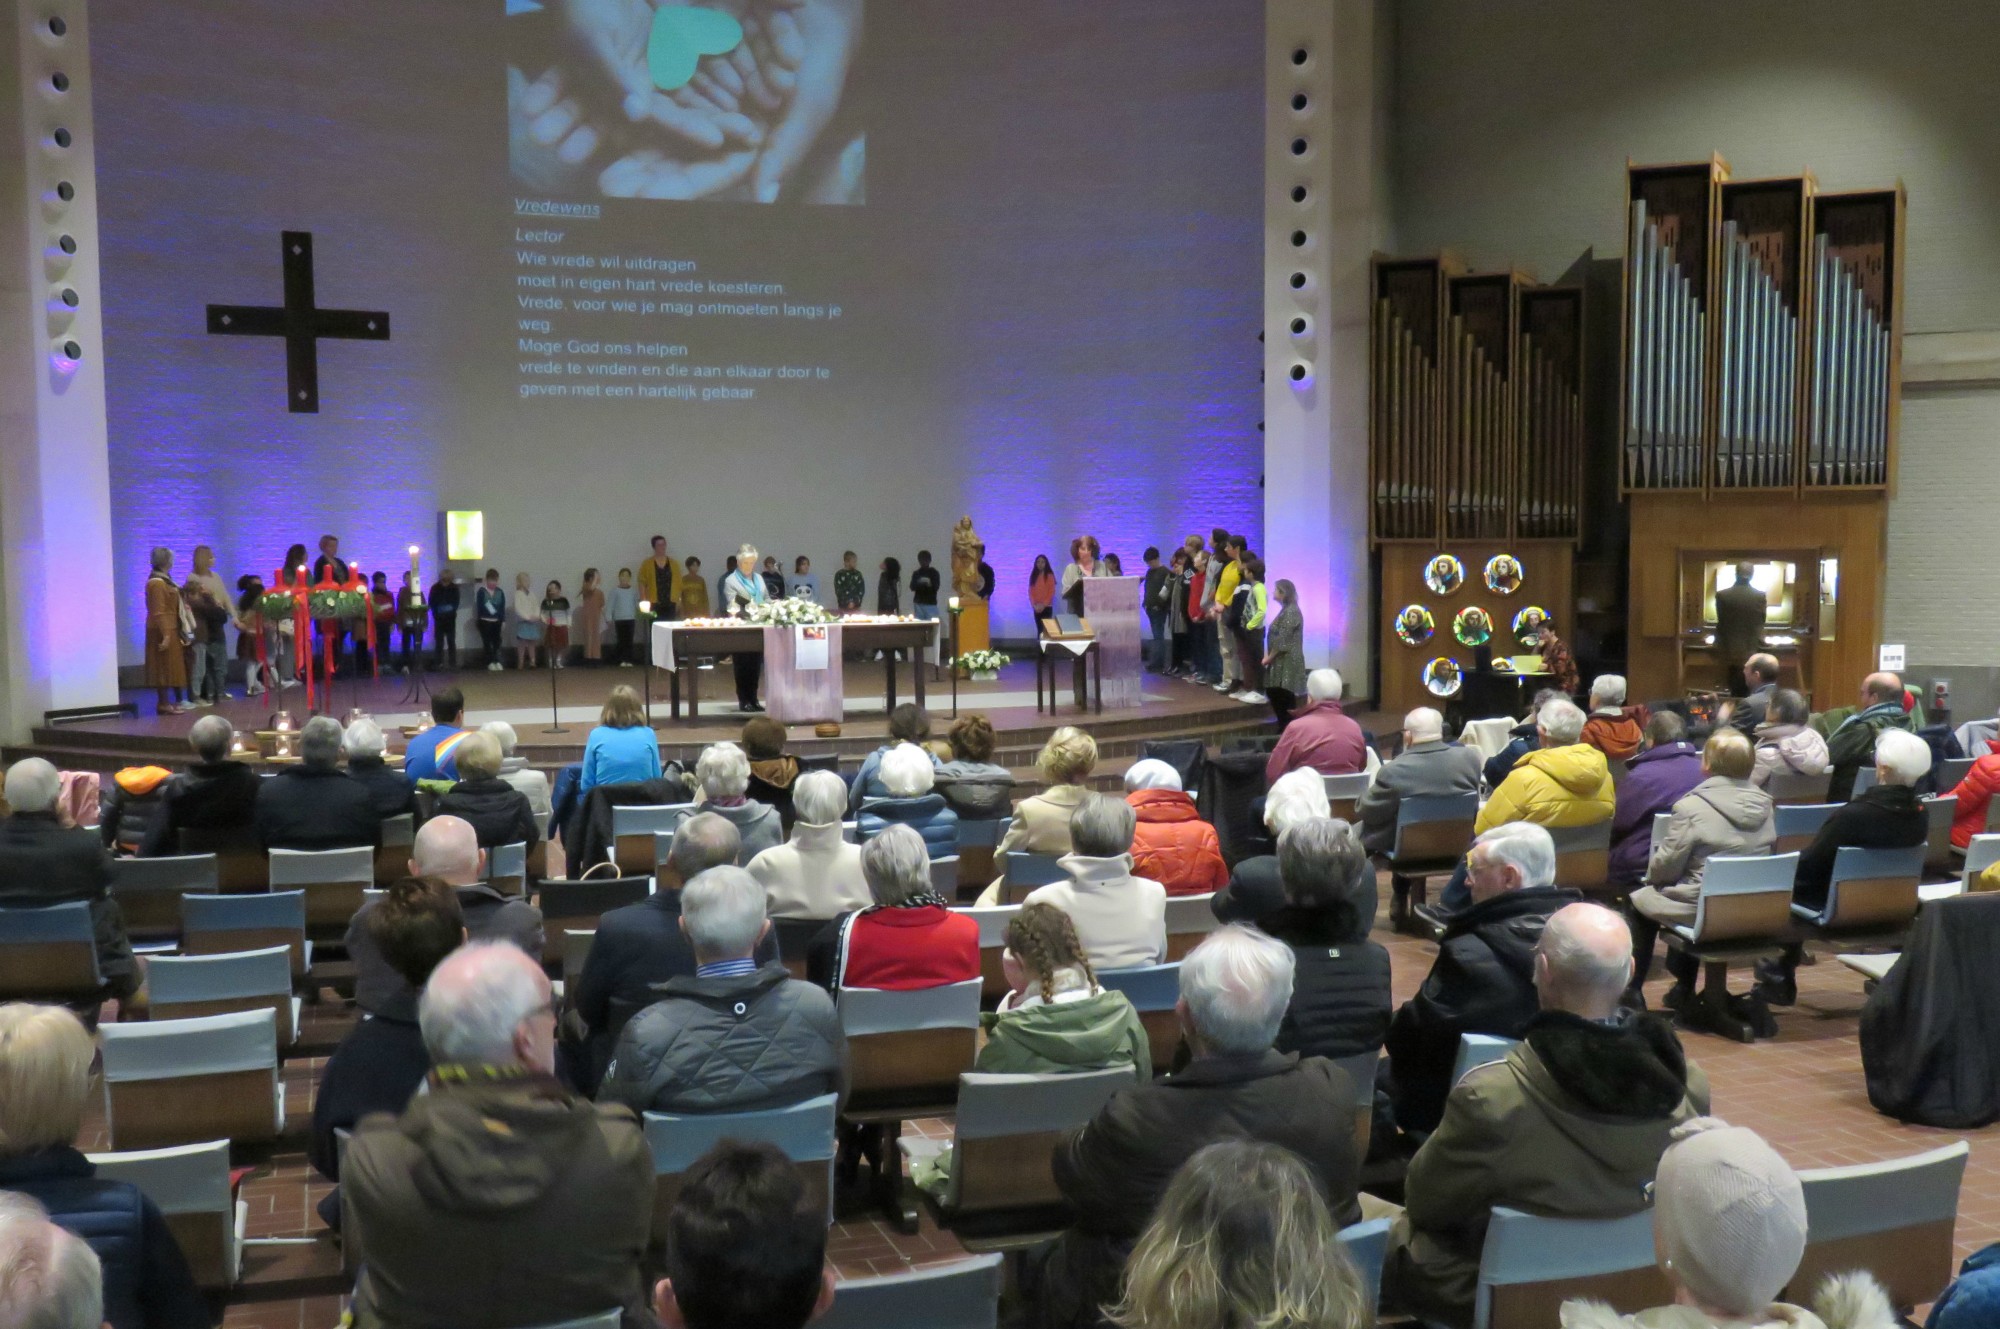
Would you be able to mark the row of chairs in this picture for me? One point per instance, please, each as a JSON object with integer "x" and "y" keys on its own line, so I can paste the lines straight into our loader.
{"x": 642, "y": 833}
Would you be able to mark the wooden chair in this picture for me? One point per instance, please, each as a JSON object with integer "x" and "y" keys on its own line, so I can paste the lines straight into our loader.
{"x": 1951, "y": 770}
{"x": 1981, "y": 854}
{"x": 1864, "y": 780}
{"x": 803, "y": 1132}
{"x": 507, "y": 868}
{"x": 399, "y": 841}
{"x": 1893, "y": 1219}
{"x": 1938, "y": 812}
{"x": 1475, "y": 1050}
{"x": 579, "y": 904}
{"x": 1873, "y": 892}
{"x": 1153, "y": 990}
{"x": 149, "y": 890}
{"x": 976, "y": 842}
{"x": 221, "y": 924}
{"x": 905, "y": 1052}
{"x": 992, "y": 921}
{"x": 332, "y": 879}
{"x": 1189, "y": 919}
{"x": 189, "y": 1184}
{"x": 1343, "y": 794}
{"x": 635, "y": 828}
{"x": 1367, "y": 1245}
{"x": 49, "y": 953}
{"x": 1361, "y": 1069}
{"x": 170, "y": 1082}
{"x": 1797, "y": 823}
{"x": 944, "y": 877}
{"x": 1530, "y": 1266}
{"x": 239, "y": 859}
{"x": 964, "y": 1294}
{"x": 795, "y": 938}
{"x": 1789, "y": 787}
{"x": 1583, "y": 857}
{"x": 1024, "y": 872}
{"x": 1742, "y": 915}
{"x": 185, "y": 987}
{"x": 1433, "y": 831}
{"x": 1000, "y": 1192}
{"x": 575, "y": 952}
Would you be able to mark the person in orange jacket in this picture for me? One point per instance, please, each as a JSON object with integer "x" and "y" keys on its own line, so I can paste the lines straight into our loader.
{"x": 1172, "y": 844}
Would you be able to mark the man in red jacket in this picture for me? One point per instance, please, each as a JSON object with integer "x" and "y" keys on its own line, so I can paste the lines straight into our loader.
{"x": 1320, "y": 736}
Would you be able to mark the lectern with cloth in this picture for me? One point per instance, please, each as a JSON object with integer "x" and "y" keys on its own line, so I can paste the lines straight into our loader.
{"x": 1106, "y": 642}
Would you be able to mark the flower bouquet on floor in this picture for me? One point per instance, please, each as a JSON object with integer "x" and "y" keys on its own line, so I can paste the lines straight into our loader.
{"x": 788, "y": 613}
{"x": 983, "y": 666}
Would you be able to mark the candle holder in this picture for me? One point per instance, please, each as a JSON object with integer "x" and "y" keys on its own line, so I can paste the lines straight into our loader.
{"x": 644, "y": 631}
{"x": 956, "y": 608}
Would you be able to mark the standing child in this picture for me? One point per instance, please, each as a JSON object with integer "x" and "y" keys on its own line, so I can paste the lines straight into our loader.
{"x": 527, "y": 623}
{"x": 489, "y": 611}
{"x": 849, "y": 586}
{"x": 381, "y": 608}
{"x": 889, "y": 587}
{"x": 624, "y": 604}
{"x": 1246, "y": 617}
{"x": 722, "y": 583}
{"x": 444, "y": 620}
{"x": 555, "y": 624}
{"x": 1154, "y": 595}
{"x": 924, "y": 585}
{"x": 412, "y": 614}
{"x": 589, "y": 618}
{"x": 805, "y": 586}
{"x": 1179, "y": 574}
{"x": 774, "y": 580}
{"x": 249, "y": 627}
{"x": 694, "y": 592}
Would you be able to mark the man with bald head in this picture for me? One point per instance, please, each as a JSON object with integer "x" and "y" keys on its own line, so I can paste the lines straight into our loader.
{"x": 1571, "y": 1124}
{"x": 447, "y": 850}
{"x": 1760, "y": 680}
{"x": 1428, "y": 766}
{"x": 1852, "y": 746}
{"x": 497, "y": 1197}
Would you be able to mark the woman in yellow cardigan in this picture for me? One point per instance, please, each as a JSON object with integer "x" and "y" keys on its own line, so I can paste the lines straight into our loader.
{"x": 660, "y": 580}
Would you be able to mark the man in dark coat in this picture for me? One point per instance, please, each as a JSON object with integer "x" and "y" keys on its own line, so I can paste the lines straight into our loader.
{"x": 1427, "y": 767}
{"x": 1852, "y": 745}
{"x": 1235, "y": 988}
{"x": 314, "y": 805}
{"x": 214, "y": 794}
{"x": 1483, "y": 981}
{"x": 1740, "y": 610}
{"x": 1760, "y": 678}
{"x": 497, "y": 811}
{"x": 1340, "y": 987}
{"x": 43, "y": 862}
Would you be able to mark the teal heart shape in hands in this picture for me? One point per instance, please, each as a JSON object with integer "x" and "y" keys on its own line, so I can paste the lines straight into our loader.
{"x": 682, "y": 35}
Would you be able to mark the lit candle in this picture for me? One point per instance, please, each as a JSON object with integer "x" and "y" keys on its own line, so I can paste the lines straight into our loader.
{"x": 645, "y": 606}
{"x": 952, "y": 604}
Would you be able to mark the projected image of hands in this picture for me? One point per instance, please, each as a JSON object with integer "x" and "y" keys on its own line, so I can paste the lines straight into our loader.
{"x": 727, "y": 100}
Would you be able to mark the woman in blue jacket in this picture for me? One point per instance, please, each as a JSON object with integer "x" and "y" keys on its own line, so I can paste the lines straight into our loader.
{"x": 908, "y": 774}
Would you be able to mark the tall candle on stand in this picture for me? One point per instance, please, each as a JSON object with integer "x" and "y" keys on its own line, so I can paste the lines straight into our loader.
{"x": 416, "y": 578}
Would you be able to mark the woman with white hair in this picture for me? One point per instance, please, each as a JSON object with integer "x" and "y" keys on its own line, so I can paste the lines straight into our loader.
{"x": 742, "y": 591}
{"x": 533, "y": 784}
{"x": 1255, "y": 890}
{"x": 908, "y": 938}
{"x": 1172, "y": 844}
{"x": 43, "y": 862}
{"x": 1887, "y": 815}
{"x": 722, "y": 776}
{"x": 908, "y": 776}
{"x": 816, "y": 874}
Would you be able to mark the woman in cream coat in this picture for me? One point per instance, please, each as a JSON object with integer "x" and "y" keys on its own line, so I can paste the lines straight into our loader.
{"x": 815, "y": 874}
{"x": 1041, "y": 823}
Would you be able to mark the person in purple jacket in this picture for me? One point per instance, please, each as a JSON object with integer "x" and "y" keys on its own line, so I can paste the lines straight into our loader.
{"x": 1666, "y": 767}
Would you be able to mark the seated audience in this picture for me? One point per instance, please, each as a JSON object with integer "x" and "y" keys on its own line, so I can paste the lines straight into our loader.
{"x": 722, "y": 774}
{"x": 1612, "y": 727}
{"x": 44, "y": 862}
{"x": 906, "y": 774}
{"x": 1340, "y": 991}
{"x": 745, "y": 1245}
{"x": 1172, "y": 844}
{"x": 1760, "y": 676}
{"x": 1888, "y": 815}
{"x": 1122, "y": 917}
{"x": 1320, "y": 736}
{"x": 1242, "y": 1237}
{"x": 516, "y": 771}
{"x": 1723, "y": 815}
{"x": 1659, "y": 777}
{"x": 735, "y": 1035}
{"x": 640, "y": 946}
{"x": 1254, "y": 888}
{"x": 1055, "y": 1017}
{"x": 497, "y": 812}
{"x": 816, "y": 874}
{"x": 49, "y": 1277}
{"x": 1729, "y": 1224}
{"x": 773, "y": 774}
{"x": 622, "y": 749}
{"x": 1571, "y": 1124}
{"x": 907, "y": 939}
{"x": 908, "y": 723}
{"x": 430, "y": 755}
{"x": 497, "y": 1197}
{"x": 45, "y": 1083}
{"x": 132, "y": 810}
{"x": 976, "y": 788}
{"x": 1427, "y": 767}
{"x": 1787, "y": 744}
{"x": 1041, "y": 821}
{"x": 1482, "y": 981}
{"x": 381, "y": 1061}
{"x": 315, "y": 805}
{"x": 1522, "y": 739}
{"x": 388, "y": 792}
{"x": 215, "y": 794}
{"x": 1852, "y": 745}
{"x": 1235, "y": 988}
{"x": 446, "y": 849}
{"x": 1975, "y": 792}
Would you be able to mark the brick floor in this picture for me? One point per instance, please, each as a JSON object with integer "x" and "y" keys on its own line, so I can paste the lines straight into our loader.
{"x": 1802, "y": 1090}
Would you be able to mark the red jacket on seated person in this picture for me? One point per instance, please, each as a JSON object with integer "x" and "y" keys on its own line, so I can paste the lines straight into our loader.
{"x": 1975, "y": 792}
{"x": 1172, "y": 844}
{"x": 898, "y": 948}
{"x": 1322, "y": 737}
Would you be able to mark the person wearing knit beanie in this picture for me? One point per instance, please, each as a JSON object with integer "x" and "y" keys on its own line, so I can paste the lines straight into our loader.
{"x": 1729, "y": 1217}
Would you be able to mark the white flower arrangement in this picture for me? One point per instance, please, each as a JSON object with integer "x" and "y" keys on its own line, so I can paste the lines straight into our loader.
{"x": 984, "y": 661}
{"x": 788, "y": 613}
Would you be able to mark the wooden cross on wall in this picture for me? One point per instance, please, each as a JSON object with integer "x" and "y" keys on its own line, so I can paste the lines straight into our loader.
{"x": 300, "y": 323}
